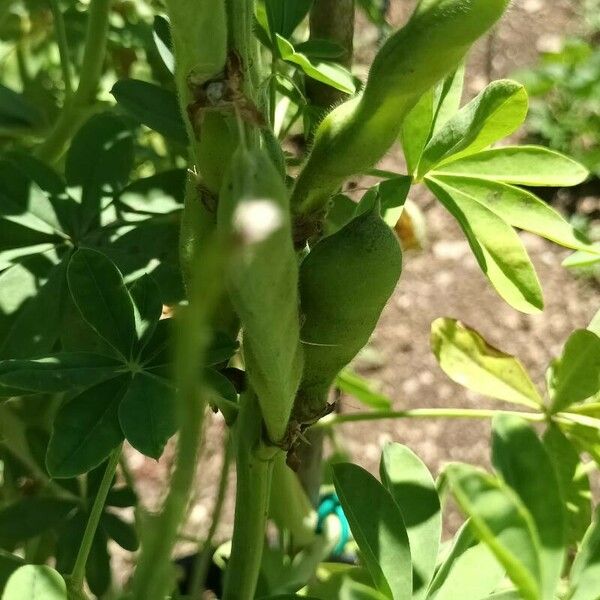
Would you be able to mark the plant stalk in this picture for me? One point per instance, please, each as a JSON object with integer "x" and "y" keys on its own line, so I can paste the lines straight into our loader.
{"x": 205, "y": 554}
{"x": 78, "y": 574}
{"x": 253, "y": 488}
{"x": 154, "y": 576}
{"x": 63, "y": 47}
{"x": 426, "y": 413}
{"x": 76, "y": 106}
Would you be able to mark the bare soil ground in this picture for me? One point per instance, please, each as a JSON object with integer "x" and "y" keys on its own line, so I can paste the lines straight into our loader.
{"x": 442, "y": 280}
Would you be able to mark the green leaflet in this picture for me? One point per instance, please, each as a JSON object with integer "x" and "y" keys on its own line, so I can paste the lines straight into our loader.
{"x": 499, "y": 519}
{"x": 497, "y": 248}
{"x": 86, "y": 429}
{"x": 409, "y": 482}
{"x": 469, "y": 360}
{"x": 378, "y": 528}
{"x": 573, "y": 481}
{"x": 518, "y": 208}
{"x": 153, "y": 106}
{"x": 57, "y": 373}
{"x": 330, "y": 73}
{"x": 470, "y": 571}
{"x": 585, "y": 573}
{"x": 103, "y": 300}
{"x": 497, "y": 112}
{"x": 522, "y": 461}
{"x": 576, "y": 374}
{"x": 35, "y": 582}
{"x": 519, "y": 165}
{"x": 147, "y": 413}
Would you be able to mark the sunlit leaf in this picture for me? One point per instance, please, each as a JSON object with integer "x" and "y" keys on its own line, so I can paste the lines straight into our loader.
{"x": 470, "y": 361}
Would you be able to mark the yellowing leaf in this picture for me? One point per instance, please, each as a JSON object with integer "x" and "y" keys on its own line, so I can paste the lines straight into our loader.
{"x": 469, "y": 360}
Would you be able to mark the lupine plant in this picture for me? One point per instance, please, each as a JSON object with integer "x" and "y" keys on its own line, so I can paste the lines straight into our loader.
{"x": 164, "y": 252}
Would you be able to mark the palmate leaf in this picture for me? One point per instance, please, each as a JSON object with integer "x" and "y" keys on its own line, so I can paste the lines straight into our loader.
{"x": 147, "y": 308}
{"x": 409, "y": 482}
{"x": 500, "y": 520}
{"x": 472, "y": 362}
{"x": 378, "y": 528}
{"x": 521, "y": 459}
{"x": 496, "y": 246}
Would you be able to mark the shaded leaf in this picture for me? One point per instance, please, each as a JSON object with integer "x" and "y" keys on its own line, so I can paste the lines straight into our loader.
{"x": 585, "y": 573}
{"x": 86, "y": 430}
{"x": 120, "y": 531}
{"x": 470, "y": 361}
{"x": 284, "y": 17}
{"x": 9, "y": 563}
{"x": 98, "y": 164}
{"x": 161, "y": 34}
{"x": 469, "y": 572}
{"x": 499, "y": 519}
{"x": 58, "y": 373}
{"x": 147, "y": 306}
{"x": 30, "y": 517}
{"x": 32, "y": 296}
{"x": 521, "y": 459}
{"x": 156, "y": 195}
{"x": 16, "y": 112}
{"x": 377, "y": 527}
{"x": 147, "y": 414}
{"x": 102, "y": 298}
{"x": 153, "y": 106}
{"x": 409, "y": 482}
{"x": 573, "y": 481}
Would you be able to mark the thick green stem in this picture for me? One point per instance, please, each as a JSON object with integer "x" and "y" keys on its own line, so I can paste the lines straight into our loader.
{"x": 77, "y": 106}
{"x": 63, "y": 46}
{"x": 205, "y": 554}
{"x": 426, "y": 413}
{"x": 78, "y": 575}
{"x": 154, "y": 575}
{"x": 253, "y": 488}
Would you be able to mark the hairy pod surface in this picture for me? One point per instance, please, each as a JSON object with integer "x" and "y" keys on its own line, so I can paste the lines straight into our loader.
{"x": 356, "y": 134}
{"x": 345, "y": 282}
{"x": 263, "y": 281}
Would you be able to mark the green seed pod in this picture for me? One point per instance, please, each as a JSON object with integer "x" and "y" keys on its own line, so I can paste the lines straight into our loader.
{"x": 355, "y": 135}
{"x": 263, "y": 281}
{"x": 345, "y": 282}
